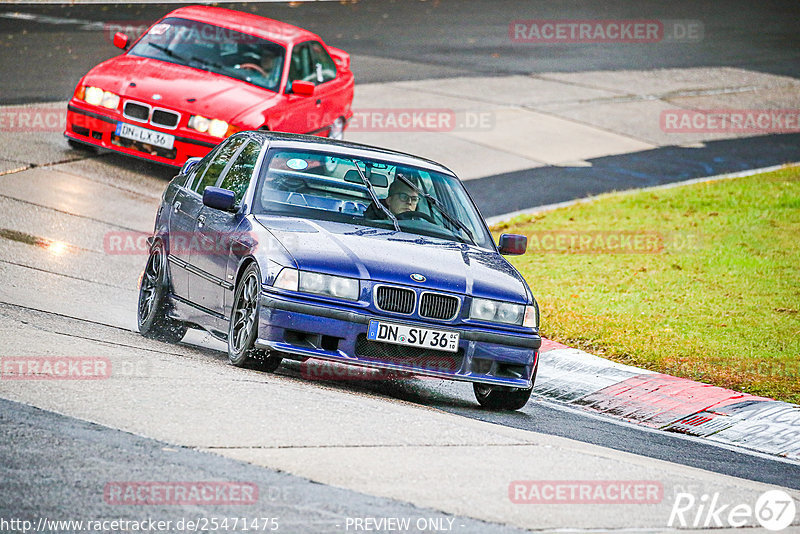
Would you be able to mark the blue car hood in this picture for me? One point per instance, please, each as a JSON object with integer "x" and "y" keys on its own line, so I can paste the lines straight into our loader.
{"x": 389, "y": 256}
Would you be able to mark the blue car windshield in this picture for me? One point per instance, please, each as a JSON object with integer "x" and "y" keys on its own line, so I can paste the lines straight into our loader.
{"x": 214, "y": 49}
{"x": 315, "y": 185}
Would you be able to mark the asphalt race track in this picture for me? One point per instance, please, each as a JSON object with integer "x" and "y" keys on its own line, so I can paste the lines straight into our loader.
{"x": 409, "y": 40}
{"x": 325, "y": 451}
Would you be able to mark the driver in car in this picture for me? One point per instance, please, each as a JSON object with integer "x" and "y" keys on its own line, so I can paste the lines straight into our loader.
{"x": 401, "y": 199}
{"x": 267, "y": 65}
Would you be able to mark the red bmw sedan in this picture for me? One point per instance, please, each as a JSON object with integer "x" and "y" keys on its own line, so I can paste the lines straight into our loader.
{"x": 203, "y": 73}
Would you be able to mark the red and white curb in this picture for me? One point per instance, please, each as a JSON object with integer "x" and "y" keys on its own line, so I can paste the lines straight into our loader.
{"x": 668, "y": 403}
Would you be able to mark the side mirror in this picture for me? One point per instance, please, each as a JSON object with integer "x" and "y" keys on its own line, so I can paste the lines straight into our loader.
{"x": 302, "y": 88}
{"x": 190, "y": 162}
{"x": 219, "y": 199}
{"x": 513, "y": 244}
{"x": 121, "y": 40}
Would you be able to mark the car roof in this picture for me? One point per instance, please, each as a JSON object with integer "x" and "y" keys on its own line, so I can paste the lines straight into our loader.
{"x": 269, "y": 29}
{"x": 345, "y": 148}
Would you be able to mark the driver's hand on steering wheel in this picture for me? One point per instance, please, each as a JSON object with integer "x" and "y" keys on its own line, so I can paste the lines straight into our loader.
{"x": 252, "y": 66}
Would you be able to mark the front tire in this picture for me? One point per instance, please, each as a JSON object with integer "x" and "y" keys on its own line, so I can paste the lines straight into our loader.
{"x": 502, "y": 397}
{"x": 152, "y": 310}
{"x": 243, "y": 328}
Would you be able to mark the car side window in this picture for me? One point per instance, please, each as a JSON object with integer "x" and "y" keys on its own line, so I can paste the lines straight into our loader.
{"x": 196, "y": 172}
{"x": 216, "y": 165}
{"x": 301, "y": 67}
{"x": 238, "y": 176}
{"x": 311, "y": 63}
{"x": 324, "y": 67}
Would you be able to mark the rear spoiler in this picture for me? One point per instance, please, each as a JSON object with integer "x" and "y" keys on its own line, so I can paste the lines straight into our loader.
{"x": 340, "y": 57}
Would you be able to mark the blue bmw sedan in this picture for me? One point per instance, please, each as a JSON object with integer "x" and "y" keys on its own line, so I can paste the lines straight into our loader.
{"x": 295, "y": 247}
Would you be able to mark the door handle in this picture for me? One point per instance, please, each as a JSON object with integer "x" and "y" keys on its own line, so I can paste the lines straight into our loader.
{"x": 319, "y": 101}
{"x": 201, "y": 220}
{"x": 176, "y": 206}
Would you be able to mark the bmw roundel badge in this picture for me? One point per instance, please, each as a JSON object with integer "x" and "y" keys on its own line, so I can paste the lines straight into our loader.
{"x": 418, "y": 277}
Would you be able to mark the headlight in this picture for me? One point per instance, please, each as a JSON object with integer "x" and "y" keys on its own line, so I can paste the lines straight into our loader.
{"x": 214, "y": 127}
{"x": 495, "y": 311}
{"x": 93, "y": 96}
{"x": 110, "y": 100}
{"x": 218, "y": 128}
{"x": 97, "y": 97}
{"x": 318, "y": 284}
{"x": 334, "y": 286}
{"x": 199, "y": 123}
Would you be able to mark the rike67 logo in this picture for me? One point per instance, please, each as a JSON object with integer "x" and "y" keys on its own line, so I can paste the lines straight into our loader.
{"x": 774, "y": 510}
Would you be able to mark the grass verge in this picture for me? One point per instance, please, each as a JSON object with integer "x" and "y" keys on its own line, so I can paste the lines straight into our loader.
{"x": 699, "y": 281}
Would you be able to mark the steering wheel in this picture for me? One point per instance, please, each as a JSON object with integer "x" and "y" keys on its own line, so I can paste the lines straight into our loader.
{"x": 253, "y": 66}
{"x": 414, "y": 215}
{"x": 289, "y": 183}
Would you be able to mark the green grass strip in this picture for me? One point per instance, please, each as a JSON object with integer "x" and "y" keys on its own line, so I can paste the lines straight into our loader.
{"x": 700, "y": 281}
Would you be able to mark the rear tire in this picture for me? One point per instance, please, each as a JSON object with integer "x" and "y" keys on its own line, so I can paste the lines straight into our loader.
{"x": 152, "y": 310}
{"x": 243, "y": 327}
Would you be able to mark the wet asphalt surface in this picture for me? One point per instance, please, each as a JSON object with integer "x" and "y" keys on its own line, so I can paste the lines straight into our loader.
{"x": 660, "y": 166}
{"x": 421, "y": 40}
{"x": 89, "y": 457}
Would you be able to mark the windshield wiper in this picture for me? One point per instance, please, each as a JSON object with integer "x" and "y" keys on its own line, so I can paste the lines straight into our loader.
{"x": 208, "y": 63}
{"x": 169, "y": 52}
{"x": 195, "y": 59}
{"x": 438, "y": 205}
{"x": 374, "y": 196}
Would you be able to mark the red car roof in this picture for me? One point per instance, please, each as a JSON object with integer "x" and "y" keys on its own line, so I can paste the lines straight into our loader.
{"x": 272, "y": 30}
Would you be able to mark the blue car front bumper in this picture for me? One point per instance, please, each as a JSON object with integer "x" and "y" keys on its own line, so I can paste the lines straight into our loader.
{"x": 331, "y": 333}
